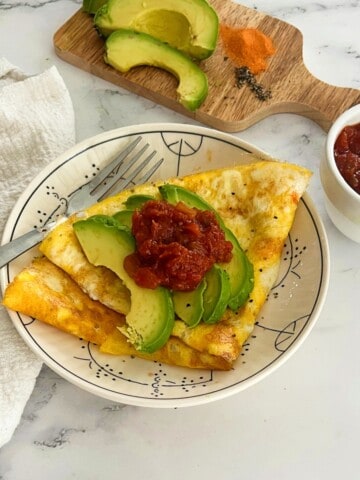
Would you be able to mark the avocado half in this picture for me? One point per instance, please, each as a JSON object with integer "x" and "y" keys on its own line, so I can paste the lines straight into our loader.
{"x": 126, "y": 49}
{"x": 189, "y": 26}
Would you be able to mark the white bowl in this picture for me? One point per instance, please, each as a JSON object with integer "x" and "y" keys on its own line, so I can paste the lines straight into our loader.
{"x": 341, "y": 201}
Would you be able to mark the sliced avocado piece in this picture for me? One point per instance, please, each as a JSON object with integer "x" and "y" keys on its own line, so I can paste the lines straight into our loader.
{"x": 239, "y": 269}
{"x": 189, "y": 306}
{"x": 124, "y": 217}
{"x": 189, "y": 26}
{"x": 126, "y": 49}
{"x": 151, "y": 317}
{"x": 92, "y": 6}
{"x": 174, "y": 194}
{"x": 216, "y": 295}
{"x": 137, "y": 201}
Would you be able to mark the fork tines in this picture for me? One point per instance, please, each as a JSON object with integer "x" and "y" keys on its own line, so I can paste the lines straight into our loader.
{"x": 124, "y": 170}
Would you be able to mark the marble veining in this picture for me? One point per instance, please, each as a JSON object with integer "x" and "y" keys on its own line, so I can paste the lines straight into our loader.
{"x": 300, "y": 422}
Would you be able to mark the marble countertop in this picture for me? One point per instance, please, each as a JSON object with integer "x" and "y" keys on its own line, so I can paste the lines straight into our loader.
{"x": 302, "y": 421}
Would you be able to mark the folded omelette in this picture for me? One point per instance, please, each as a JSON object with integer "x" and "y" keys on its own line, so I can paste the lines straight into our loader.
{"x": 257, "y": 202}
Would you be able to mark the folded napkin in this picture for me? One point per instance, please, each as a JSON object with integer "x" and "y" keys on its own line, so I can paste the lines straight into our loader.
{"x": 36, "y": 125}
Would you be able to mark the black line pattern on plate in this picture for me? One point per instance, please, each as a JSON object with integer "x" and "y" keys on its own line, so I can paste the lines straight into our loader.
{"x": 286, "y": 336}
{"x": 58, "y": 202}
{"x": 182, "y": 146}
{"x": 157, "y": 375}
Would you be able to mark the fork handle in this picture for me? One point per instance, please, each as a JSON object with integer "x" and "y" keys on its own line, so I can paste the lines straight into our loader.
{"x": 16, "y": 247}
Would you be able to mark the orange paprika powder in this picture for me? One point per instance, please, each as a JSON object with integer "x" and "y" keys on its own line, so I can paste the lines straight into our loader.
{"x": 247, "y": 47}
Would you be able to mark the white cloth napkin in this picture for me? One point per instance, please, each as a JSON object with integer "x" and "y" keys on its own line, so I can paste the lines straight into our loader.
{"x": 36, "y": 125}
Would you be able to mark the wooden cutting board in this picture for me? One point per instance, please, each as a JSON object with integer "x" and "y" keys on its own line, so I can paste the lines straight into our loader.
{"x": 227, "y": 108}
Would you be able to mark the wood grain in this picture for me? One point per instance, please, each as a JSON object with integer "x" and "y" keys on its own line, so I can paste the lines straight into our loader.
{"x": 227, "y": 108}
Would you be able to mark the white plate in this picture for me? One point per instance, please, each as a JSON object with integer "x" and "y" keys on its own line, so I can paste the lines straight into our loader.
{"x": 286, "y": 319}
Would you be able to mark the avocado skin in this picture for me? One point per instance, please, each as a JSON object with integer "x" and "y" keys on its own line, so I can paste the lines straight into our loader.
{"x": 240, "y": 263}
{"x": 125, "y": 49}
{"x": 92, "y": 6}
{"x": 196, "y": 37}
{"x": 151, "y": 318}
{"x": 239, "y": 269}
{"x": 216, "y": 295}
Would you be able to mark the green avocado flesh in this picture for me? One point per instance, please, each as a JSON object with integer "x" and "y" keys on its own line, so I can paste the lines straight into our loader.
{"x": 124, "y": 217}
{"x": 239, "y": 269}
{"x": 189, "y": 306}
{"x": 151, "y": 318}
{"x": 137, "y": 201}
{"x": 189, "y": 26}
{"x": 126, "y": 49}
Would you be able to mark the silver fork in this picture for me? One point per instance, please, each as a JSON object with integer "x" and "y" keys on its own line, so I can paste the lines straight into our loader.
{"x": 88, "y": 194}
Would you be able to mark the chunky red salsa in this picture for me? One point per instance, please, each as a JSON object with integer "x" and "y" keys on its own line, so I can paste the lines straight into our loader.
{"x": 347, "y": 155}
{"x": 175, "y": 245}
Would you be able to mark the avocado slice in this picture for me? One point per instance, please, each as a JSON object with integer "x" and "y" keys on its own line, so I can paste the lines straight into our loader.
{"x": 137, "y": 201}
{"x": 216, "y": 295}
{"x": 239, "y": 269}
{"x": 241, "y": 273}
{"x": 126, "y": 49}
{"x": 189, "y": 26}
{"x": 189, "y": 306}
{"x": 92, "y": 6}
{"x": 124, "y": 217}
{"x": 151, "y": 318}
